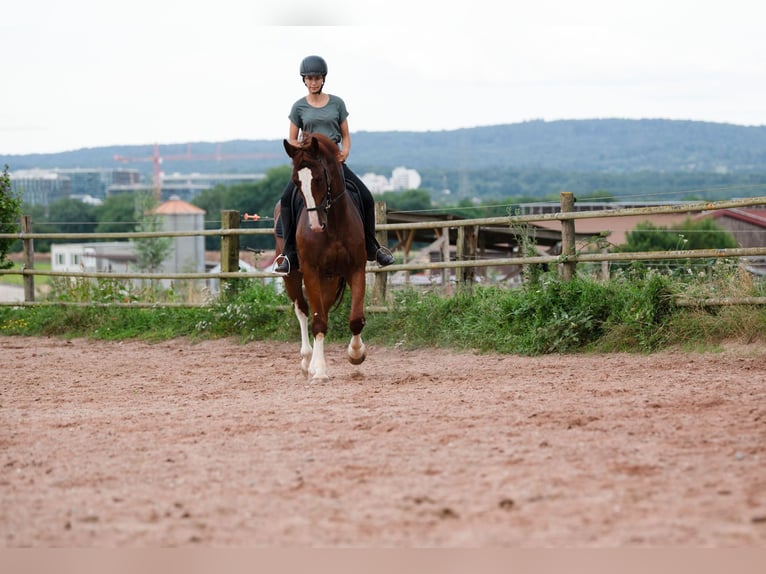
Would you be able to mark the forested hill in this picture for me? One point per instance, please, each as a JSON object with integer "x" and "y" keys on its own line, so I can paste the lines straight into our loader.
{"x": 615, "y": 146}
{"x": 609, "y": 145}
{"x": 530, "y": 158}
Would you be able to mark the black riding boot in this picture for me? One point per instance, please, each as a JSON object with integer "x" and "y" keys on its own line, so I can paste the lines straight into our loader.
{"x": 288, "y": 259}
{"x": 374, "y": 251}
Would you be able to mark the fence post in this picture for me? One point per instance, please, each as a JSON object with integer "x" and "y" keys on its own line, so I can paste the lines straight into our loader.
{"x": 567, "y": 235}
{"x": 604, "y": 265}
{"x": 466, "y": 250}
{"x": 229, "y": 250}
{"x": 446, "y": 273}
{"x": 29, "y": 259}
{"x": 381, "y": 279}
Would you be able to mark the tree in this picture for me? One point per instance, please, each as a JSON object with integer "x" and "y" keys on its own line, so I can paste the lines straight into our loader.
{"x": 72, "y": 216}
{"x": 688, "y": 235}
{"x": 409, "y": 200}
{"x": 118, "y": 213}
{"x": 260, "y": 198}
{"x": 39, "y": 217}
{"x": 10, "y": 216}
{"x": 596, "y": 195}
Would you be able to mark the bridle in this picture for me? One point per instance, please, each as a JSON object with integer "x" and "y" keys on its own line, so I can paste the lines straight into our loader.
{"x": 328, "y": 200}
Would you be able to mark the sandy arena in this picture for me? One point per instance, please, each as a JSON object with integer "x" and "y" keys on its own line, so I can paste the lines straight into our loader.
{"x": 133, "y": 444}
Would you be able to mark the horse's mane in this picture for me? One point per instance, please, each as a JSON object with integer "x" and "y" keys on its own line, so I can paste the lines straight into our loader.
{"x": 328, "y": 146}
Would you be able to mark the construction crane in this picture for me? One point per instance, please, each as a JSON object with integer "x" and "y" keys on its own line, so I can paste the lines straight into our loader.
{"x": 157, "y": 160}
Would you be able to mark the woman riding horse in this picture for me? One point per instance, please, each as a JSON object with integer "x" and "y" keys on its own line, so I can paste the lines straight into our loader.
{"x": 323, "y": 113}
{"x": 330, "y": 241}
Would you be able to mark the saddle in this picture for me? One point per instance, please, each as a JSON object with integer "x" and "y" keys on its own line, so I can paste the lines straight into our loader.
{"x": 297, "y": 204}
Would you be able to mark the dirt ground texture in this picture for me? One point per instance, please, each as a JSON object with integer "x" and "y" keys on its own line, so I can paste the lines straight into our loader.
{"x": 222, "y": 444}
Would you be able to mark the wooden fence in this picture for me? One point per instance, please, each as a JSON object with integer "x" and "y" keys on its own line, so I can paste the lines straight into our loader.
{"x": 464, "y": 264}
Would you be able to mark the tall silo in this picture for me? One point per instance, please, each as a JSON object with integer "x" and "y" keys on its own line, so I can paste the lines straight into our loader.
{"x": 188, "y": 254}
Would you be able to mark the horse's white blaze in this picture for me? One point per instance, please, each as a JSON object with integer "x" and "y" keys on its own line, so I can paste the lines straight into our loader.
{"x": 318, "y": 367}
{"x": 304, "y": 176}
{"x": 303, "y": 321}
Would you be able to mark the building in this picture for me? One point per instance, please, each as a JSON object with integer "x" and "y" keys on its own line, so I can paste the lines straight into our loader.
{"x": 186, "y": 186}
{"x": 401, "y": 179}
{"x": 188, "y": 253}
{"x": 747, "y": 225}
{"x": 186, "y": 256}
{"x": 97, "y": 257}
{"x": 40, "y": 186}
{"x": 376, "y": 183}
{"x": 95, "y": 182}
{"x": 613, "y": 229}
{"x": 46, "y": 186}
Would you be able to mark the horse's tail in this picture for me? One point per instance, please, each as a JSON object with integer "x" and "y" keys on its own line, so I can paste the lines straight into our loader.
{"x": 339, "y": 293}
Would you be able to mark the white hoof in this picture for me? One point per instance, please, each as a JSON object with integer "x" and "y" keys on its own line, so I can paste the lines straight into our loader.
{"x": 357, "y": 350}
{"x": 356, "y": 359}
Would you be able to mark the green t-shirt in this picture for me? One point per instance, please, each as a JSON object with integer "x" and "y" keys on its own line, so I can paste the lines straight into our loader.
{"x": 325, "y": 120}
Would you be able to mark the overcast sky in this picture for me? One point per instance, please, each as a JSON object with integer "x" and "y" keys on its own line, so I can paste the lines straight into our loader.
{"x": 88, "y": 73}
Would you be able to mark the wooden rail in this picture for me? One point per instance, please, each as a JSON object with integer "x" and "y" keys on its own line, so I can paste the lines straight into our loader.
{"x": 465, "y": 264}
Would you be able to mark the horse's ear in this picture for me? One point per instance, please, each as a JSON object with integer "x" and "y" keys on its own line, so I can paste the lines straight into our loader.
{"x": 290, "y": 148}
{"x": 314, "y": 146}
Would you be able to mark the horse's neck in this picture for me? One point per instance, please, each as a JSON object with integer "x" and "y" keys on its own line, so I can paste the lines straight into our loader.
{"x": 343, "y": 213}
{"x": 338, "y": 185}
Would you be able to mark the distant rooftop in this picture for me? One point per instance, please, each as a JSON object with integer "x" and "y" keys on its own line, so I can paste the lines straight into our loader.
{"x": 176, "y": 206}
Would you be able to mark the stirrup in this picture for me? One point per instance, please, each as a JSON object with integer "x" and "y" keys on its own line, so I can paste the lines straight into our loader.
{"x": 281, "y": 260}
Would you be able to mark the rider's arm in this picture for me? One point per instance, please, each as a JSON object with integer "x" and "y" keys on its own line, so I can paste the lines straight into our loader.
{"x": 293, "y": 137}
{"x": 345, "y": 141}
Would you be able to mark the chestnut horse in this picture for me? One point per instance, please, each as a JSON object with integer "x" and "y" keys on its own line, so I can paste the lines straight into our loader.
{"x": 330, "y": 241}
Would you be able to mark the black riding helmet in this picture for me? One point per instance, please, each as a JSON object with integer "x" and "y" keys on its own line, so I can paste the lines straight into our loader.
{"x": 313, "y": 66}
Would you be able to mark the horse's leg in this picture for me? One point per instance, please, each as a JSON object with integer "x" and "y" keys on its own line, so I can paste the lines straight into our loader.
{"x": 294, "y": 290}
{"x": 318, "y": 366}
{"x": 357, "y": 351}
{"x": 321, "y": 294}
{"x": 306, "y": 349}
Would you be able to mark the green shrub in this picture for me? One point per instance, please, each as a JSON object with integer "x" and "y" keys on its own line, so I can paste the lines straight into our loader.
{"x": 633, "y": 312}
{"x": 10, "y": 216}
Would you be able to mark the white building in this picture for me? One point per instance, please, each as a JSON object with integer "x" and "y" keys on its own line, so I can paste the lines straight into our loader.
{"x": 401, "y": 179}
{"x": 376, "y": 183}
{"x": 97, "y": 257}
